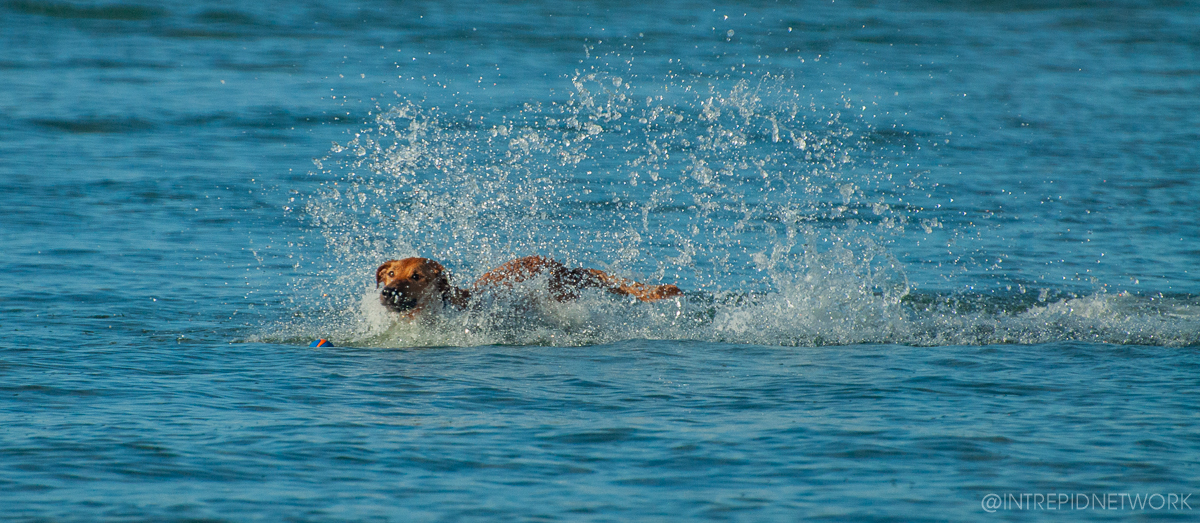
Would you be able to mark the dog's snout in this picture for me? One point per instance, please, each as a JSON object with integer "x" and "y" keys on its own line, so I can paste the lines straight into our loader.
{"x": 392, "y": 295}
{"x": 396, "y": 299}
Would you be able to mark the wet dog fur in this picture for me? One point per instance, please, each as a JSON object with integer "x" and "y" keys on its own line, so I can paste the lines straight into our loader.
{"x": 421, "y": 285}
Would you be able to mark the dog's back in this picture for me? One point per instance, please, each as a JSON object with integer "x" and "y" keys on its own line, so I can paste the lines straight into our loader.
{"x": 564, "y": 284}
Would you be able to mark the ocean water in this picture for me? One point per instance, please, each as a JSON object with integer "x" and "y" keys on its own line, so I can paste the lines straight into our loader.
{"x": 938, "y": 258}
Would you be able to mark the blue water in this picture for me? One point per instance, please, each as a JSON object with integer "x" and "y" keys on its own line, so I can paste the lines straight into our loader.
{"x": 930, "y": 252}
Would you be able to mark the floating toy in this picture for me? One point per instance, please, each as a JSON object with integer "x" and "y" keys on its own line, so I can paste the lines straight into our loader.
{"x": 321, "y": 343}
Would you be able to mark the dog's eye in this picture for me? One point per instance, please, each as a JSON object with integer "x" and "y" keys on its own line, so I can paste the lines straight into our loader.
{"x": 416, "y": 277}
{"x": 391, "y": 274}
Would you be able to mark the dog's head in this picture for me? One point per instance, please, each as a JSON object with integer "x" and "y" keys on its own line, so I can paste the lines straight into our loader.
{"x": 412, "y": 284}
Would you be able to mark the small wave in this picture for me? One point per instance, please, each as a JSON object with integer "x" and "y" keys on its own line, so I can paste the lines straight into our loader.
{"x": 102, "y": 12}
{"x": 231, "y": 17}
{"x": 261, "y": 118}
{"x": 96, "y": 125}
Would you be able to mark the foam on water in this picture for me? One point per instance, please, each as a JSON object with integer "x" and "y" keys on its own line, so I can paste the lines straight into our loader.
{"x": 774, "y": 208}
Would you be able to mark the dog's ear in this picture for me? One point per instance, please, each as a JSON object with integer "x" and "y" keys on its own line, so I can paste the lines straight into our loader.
{"x": 440, "y": 277}
{"x": 379, "y": 272}
{"x": 441, "y": 284}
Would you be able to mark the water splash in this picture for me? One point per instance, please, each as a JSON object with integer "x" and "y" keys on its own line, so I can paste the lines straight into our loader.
{"x": 773, "y": 209}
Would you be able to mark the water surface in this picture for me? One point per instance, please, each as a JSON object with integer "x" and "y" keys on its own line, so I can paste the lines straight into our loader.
{"x": 930, "y": 252}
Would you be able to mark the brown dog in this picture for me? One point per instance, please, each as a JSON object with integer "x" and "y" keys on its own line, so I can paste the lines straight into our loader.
{"x": 413, "y": 285}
